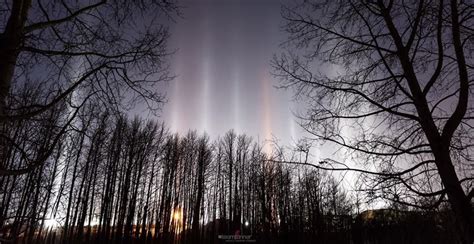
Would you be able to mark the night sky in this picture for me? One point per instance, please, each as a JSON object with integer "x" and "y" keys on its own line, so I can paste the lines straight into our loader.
{"x": 222, "y": 63}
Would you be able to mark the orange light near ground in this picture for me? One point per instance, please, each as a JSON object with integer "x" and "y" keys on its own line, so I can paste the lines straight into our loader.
{"x": 177, "y": 219}
{"x": 177, "y": 214}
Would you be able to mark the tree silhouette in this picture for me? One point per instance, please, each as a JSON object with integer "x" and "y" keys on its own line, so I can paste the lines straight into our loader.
{"x": 394, "y": 88}
{"x": 70, "y": 51}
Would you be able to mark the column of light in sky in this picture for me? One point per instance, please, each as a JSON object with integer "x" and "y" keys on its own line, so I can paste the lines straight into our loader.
{"x": 266, "y": 113}
{"x": 236, "y": 98}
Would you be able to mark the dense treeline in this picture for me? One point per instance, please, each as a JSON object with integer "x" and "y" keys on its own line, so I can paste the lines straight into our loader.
{"x": 111, "y": 178}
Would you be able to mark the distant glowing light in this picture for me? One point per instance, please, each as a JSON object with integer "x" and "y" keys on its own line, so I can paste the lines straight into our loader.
{"x": 51, "y": 223}
{"x": 247, "y": 223}
{"x": 177, "y": 214}
{"x": 94, "y": 222}
{"x": 177, "y": 219}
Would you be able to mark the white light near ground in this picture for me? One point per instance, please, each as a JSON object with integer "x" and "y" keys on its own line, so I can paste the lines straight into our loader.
{"x": 50, "y": 223}
{"x": 94, "y": 222}
{"x": 246, "y": 223}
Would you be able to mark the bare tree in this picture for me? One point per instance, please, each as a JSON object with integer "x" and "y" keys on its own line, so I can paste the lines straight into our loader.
{"x": 203, "y": 161}
{"x": 114, "y": 51}
{"x": 393, "y": 87}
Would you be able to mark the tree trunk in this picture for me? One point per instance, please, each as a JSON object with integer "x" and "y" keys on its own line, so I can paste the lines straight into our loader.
{"x": 10, "y": 42}
{"x": 458, "y": 200}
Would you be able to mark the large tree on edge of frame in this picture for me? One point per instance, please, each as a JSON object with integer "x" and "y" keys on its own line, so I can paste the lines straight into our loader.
{"x": 70, "y": 51}
{"x": 402, "y": 85}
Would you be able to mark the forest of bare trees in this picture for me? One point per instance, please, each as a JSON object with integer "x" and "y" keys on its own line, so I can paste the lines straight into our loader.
{"x": 118, "y": 179}
{"x": 386, "y": 83}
